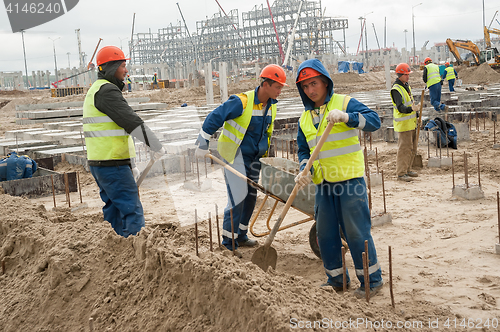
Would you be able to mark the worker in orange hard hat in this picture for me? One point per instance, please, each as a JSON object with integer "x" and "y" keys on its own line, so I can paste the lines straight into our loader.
{"x": 432, "y": 78}
{"x": 155, "y": 81}
{"x": 248, "y": 121}
{"x": 450, "y": 74}
{"x": 109, "y": 124}
{"x": 340, "y": 190}
{"x": 405, "y": 122}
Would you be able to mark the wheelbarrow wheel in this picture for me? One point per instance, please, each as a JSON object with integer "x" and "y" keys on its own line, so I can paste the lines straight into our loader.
{"x": 313, "y": 240}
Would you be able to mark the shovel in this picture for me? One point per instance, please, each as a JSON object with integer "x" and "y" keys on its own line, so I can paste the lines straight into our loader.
{"x": 266, "y": 255}
{"x": 146, "y": 171}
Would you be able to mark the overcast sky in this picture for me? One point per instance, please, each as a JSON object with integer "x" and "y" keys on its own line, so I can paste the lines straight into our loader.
{"x": 112, "y": 21}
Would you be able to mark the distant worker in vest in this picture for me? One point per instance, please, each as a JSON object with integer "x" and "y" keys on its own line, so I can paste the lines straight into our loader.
{"x": 341, "y": 200}
{"x": 450, "y": 74}
{"x": 109, "y": 124}
{"x": 405, "y": 122}
{"x": 248, "y": 122}
{"x": 129, "y": 83}
{"x": 432, "y": 78}
{"x": 155, "y": 82}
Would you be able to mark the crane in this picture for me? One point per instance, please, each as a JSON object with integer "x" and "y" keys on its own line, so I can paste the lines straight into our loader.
{"x": 487, "y": 32}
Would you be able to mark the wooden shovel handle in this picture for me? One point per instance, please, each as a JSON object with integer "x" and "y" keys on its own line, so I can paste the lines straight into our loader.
{"x": 295, "y": 190}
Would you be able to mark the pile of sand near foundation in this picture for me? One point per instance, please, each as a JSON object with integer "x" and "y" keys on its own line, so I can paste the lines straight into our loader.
{"x": 482, "y": 74}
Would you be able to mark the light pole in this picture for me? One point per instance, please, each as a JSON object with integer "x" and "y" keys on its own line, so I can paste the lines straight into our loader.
{"x": 55, "y": 60}
{"x": 25, "y": 63}
{"x": 413, "y": 27}
{"x": 366, "y": 41}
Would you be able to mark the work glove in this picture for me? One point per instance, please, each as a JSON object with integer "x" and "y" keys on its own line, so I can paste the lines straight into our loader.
{"x": 335, "y": 116}
{"x": 303, "y": 181}
{"x": 415, "y": 107}
{"x": 159, "y": 154}
{"x": 136, "y": 173}
{"x": 200, "y": 153}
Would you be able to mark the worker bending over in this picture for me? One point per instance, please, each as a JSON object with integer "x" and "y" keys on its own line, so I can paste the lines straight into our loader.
{"x": 341, "y": 198}
{"x": 405, "y": 122}
{"x": 432, "y": 78}
{"x": 248, "y": 122}
{"x": 108, "y": 123}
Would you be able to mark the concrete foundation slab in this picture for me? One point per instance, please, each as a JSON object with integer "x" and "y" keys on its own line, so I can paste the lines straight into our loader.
{"x": 381, "y": 219}
{"x": 433, "y": 162}
{"x": 496, "y": 146}
{"x": 445, "y": 161}
{"x": 472, "y": 193}
{"x": 193, "y": 185}
{"x": 375, "y": 179}
{"x": 40, "y": 186}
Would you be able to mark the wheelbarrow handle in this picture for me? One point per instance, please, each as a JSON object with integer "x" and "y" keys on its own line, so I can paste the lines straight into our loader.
{"x": 295, "y": 190}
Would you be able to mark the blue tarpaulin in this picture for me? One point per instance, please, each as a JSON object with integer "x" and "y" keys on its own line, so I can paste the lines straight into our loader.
{"x": 358, "y": 66}
{"x": 344, "y": 66}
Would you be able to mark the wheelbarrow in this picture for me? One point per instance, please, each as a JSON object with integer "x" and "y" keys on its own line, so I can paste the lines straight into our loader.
{"x": 278, "y": 178}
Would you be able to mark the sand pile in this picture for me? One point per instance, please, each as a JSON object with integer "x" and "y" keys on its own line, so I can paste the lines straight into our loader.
{"x": 63, "y": 268}
{"x": 483, "y": 74}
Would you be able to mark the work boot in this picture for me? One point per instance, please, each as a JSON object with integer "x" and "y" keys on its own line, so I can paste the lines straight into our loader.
{"x": 405, "y": 178}
{"x": 337, "y": 289}
{"x": 412, "y": 174}
{"x": 248, "y": 243}
{"x": 360, "y": 292}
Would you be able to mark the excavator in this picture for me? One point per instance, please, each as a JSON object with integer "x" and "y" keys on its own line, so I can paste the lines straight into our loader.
{"x": 490, "y": 55}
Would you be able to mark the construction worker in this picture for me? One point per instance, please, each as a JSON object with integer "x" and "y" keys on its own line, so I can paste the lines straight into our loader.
{"x": 341, "y": 198}
{"x": 155, "y": 81}
{"x": 15, "y": 167}
{"x": 450, "y": 74}
{"x": 108, "y": 123}
{"x": 129, "y": 83}
{"x": 405, "y": 122}
{"x": 432, "y": 78}
{"x": 248, "y": 122}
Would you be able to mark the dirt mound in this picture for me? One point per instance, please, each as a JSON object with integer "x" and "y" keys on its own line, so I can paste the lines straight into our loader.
{"x": 61, "y": 269}
{"x": 483, "y": 74}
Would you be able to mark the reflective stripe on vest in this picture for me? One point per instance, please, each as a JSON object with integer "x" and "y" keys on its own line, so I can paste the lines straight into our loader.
{"x": 234, "y": 130}
{"x": 450, "y": 73}
{"x": 105, "y": 139}
{"x": 340, "y": 157}
{"x": 433, "y": 76}
{"x": 403, "y": 121}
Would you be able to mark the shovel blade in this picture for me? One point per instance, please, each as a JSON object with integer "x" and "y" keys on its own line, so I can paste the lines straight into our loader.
{"x": 264, "y": 257}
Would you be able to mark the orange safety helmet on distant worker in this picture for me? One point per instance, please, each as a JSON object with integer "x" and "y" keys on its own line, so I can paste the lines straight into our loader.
{"x": 110, "y": 53}
{"x": 447, "y": 64}
{"x": 403, "y": 68}
{"x": 275, "y": 73}
{"x": 427, "y": 60}
{"x": 307, "y": 73}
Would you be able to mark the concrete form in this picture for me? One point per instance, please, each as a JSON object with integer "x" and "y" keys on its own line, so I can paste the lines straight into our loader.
{"x": 470, "y": 193}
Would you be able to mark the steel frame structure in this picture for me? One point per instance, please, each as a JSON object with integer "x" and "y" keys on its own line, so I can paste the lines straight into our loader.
{"x": 222, "y": 36}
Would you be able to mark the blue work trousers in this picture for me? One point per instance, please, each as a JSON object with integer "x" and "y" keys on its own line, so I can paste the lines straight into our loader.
{"x": 241, "y": 198}
{"x": 451, "y": 83}
{"x": 435, "y": 94}
{"x": 119, "y": 192}
{"x": 345, "y": 204}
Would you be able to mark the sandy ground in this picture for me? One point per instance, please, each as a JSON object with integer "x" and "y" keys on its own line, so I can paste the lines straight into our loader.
{"x": 67, "y": 271}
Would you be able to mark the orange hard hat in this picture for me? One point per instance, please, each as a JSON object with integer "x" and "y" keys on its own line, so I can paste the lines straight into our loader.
{"x": 403, "y": 68}
{"x": 275, "y": 73}
{"x": 447, "y": 63}
{"x": 307, "y": 73}
{"x": 427, "y": 60}
{"x": 110, "y": 53}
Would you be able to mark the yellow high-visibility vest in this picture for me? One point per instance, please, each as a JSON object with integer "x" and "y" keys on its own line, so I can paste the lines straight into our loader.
{"x": 234, "y": 130}
{"x": 450, "y": 73}
{"x": 341, "y": 157}
{"x": 433, "y": 75}
{"x": 403, "y": 121}
{"x": 105, "y": 140}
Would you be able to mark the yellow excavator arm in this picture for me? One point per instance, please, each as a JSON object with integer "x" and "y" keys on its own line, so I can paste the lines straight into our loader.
{"x": 487, "y": 38}
{"x": 465, "y": 44}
